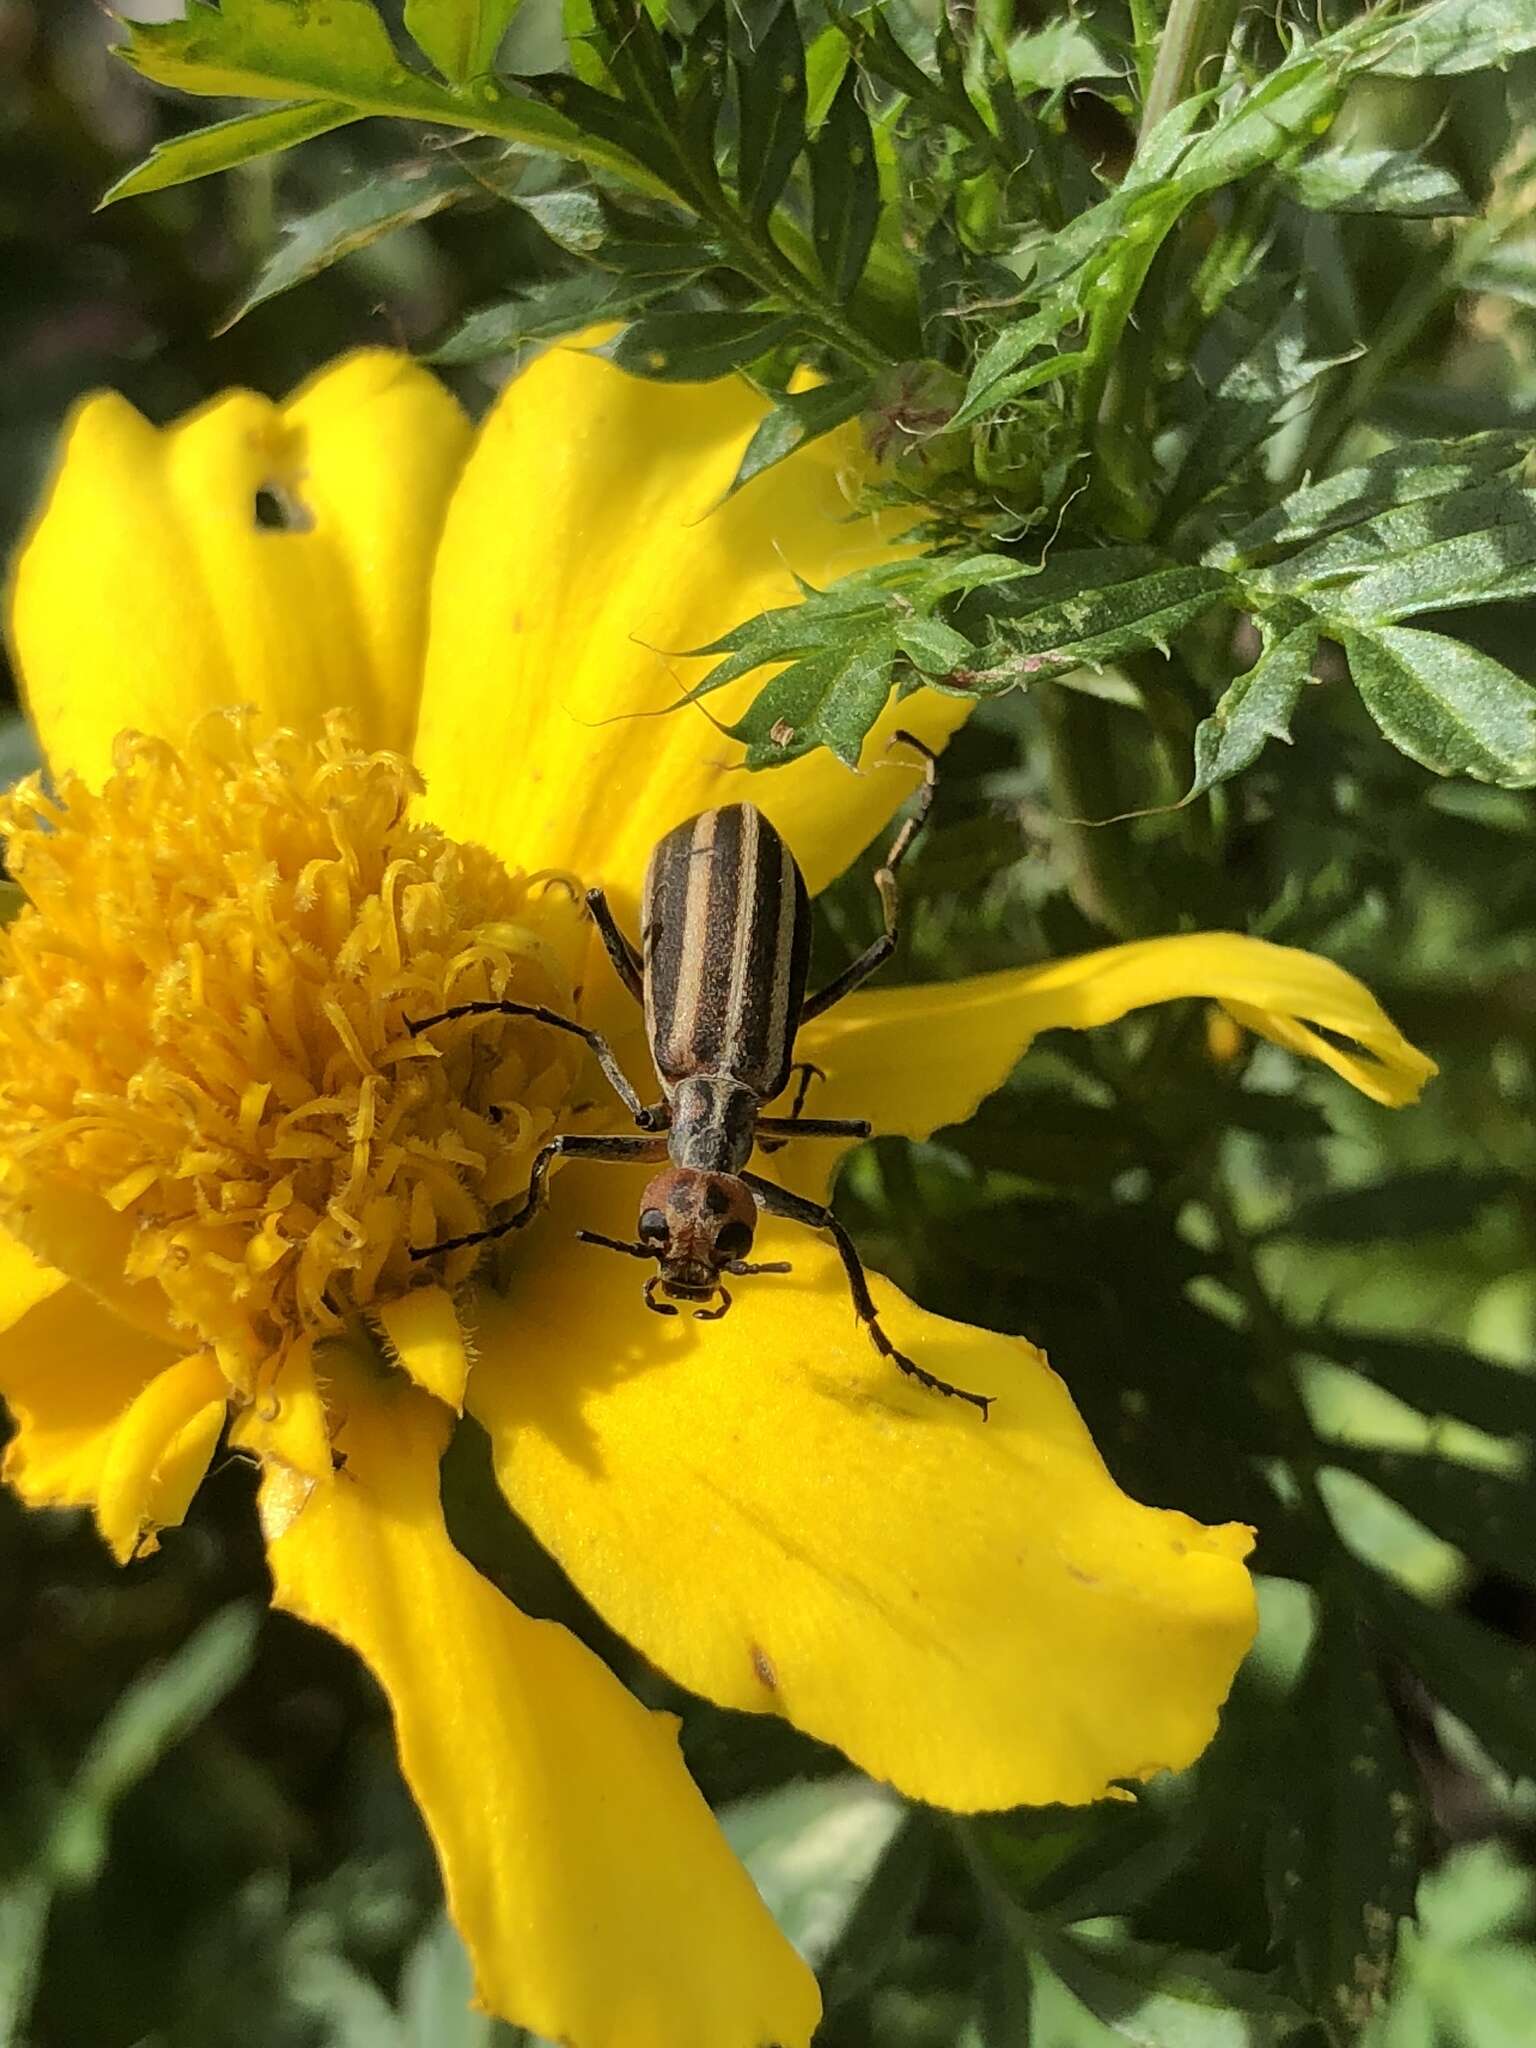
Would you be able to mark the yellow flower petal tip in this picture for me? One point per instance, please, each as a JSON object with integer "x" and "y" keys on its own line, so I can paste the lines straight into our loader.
{"x": 250, "y": 554}
{"x": 965, "y": 1037}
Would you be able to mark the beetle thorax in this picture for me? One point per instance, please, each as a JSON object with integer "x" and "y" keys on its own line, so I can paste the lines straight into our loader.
{"x": 712, "y": 1123}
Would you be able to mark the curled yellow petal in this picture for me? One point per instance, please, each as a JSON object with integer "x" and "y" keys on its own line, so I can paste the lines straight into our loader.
{"x": 970, "y": 1610}
{"x": 914, "y": 1060}
{"x": 598, "y": 1899}
{"x": 159, "y": 1452}
{"x": 589, "y": 543}
{"x": 250, "y": 554}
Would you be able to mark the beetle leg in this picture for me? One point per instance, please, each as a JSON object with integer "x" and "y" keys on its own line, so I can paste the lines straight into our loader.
{"x": 648, "y": 1119}
{"x": 795, "y": 1209}
{"x": 573, "y": 1146}
{"x": 808, "y": 1072}
{"x": 713, "y": 1315}
{"x": 627, "y": 963}
{"x": 876, "y": 955}
{"x": 660, "y": 1308}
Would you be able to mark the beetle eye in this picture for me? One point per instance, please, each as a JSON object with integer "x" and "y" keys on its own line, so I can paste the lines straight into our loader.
{"x": 652, "y": 1223}
{"x": 733, "y": 1239}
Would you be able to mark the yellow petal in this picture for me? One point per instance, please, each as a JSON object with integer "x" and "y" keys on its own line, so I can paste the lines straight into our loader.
{"x": 147, "y": 592}
{"x": 424, "y": 1336}
{"x": 68, "y": 1371}
{"x": 913, "y": 1060}
{"x": 285, "y": 1423}
{"x": 159, "y": 1452}
{"x": 598, "y": 1899}
{"x": 970, "y": 1610}
{"x": 24, "y": 1281}
{"x": 586, "y": 547}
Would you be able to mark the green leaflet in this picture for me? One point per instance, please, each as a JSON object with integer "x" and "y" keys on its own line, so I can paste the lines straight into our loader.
{"x": 380, "y": 204}
{"x": 1409, "y": 474}
{"x": 460, "y": 36}
{"x": 1343, "y": 1845}
{"x": 223, "y": 144}
{"x": 1377, "y": 181}
{"x": 547, "y": 313}
{"x": 770, "y": 77}
{"x": 688, "y": 348}
{"x": 336, "y": 51}
{"x": 845, "y": 190}
{"x": 1083, "y": 611}
{"x": 799, "y": 417}
{"x": 823, "y": 700}
{"x": 1454, "y": 36}
{"x": 1255, "y": 707}
{"x": 1485, "y": 1514}
{"x": 1446, "y": 705}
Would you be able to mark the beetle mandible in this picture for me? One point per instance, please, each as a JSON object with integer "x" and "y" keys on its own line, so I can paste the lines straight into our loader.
{"x": 726, "y": 940}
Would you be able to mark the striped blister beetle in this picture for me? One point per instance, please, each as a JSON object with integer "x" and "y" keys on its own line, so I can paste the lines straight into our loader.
{"x": 726, "y": 941}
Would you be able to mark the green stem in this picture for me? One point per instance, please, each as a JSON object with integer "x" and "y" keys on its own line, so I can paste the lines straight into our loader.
{"x": 1195, "y": 33}
{"x": 1146, "y": 26}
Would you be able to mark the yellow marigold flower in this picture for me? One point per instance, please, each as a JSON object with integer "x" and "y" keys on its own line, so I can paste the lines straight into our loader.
{"x": 218, "y": 1143}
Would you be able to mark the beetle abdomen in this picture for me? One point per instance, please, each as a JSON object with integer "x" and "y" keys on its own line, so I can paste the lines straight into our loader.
{"x": 726, "y": 932}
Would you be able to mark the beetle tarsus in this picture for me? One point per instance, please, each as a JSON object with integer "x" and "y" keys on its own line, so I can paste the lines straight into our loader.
{"x": 660, "y": 1308}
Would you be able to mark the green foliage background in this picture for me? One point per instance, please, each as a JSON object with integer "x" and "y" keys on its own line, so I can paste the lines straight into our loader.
{"x": 1213, "y": 371}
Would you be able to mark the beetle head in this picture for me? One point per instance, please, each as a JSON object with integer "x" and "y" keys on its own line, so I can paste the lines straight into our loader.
{"x": 699, "y": 1225}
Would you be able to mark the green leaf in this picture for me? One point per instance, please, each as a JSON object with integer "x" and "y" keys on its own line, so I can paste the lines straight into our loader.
{"x": 1509, "y": 268}
{"x": 799, "y": 417}
{"x": 1168, "y": 1998}
{"x": 1246, "y": 408}
{"x": 1255, "y": 707}
{"x": 1485, "y": 1680}
{"x": 811, "y": 1850}
{"x": 1425, "y": 1203}
{"x": 547, "y": 313}
{"x": 1083, "y": 610}
{"x": 845, "y": 191}
{"x": 223, "y": 144}
{"x": 573, "y": 220}
{"x": 823, "y": 700}
{"x": 1485, "y": 1514}
{"x": 1343, "y": 1860}
{"x": 1446, "y": 705}
{"x": 155, "y": 1713}
{"x": 1462, "y": 548}
{"x": 437, "y": 1989}
{"x": 771, "y": 92}
{"x": 460, "y": 36}
{"x": 1414, "y": 473}
{"x": 1003, "y": 371}
{"x": 690, "y": 348}
{"x": 377, "y": 206}
{"x": 1377, "y": 181}
{"x": 1438, "y": 1379}
{"x": 1455, "y": 36}
{"x": 339, "y": 51}
{"x": 24, "y": 1903}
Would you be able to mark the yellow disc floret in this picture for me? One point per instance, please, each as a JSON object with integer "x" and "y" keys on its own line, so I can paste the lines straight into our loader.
{"x": 204, "y": 1041}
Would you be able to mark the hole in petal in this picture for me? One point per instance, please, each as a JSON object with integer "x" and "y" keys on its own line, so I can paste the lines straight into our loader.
{"x": 277, "y": 508}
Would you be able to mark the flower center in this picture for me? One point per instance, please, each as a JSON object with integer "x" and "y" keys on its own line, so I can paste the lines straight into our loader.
{"x": 204, "y": 1027}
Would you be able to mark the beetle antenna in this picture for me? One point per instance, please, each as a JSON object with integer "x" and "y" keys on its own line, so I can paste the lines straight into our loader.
{"x": 741, "y": 1267}
{"x": 616, "y": 1244}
